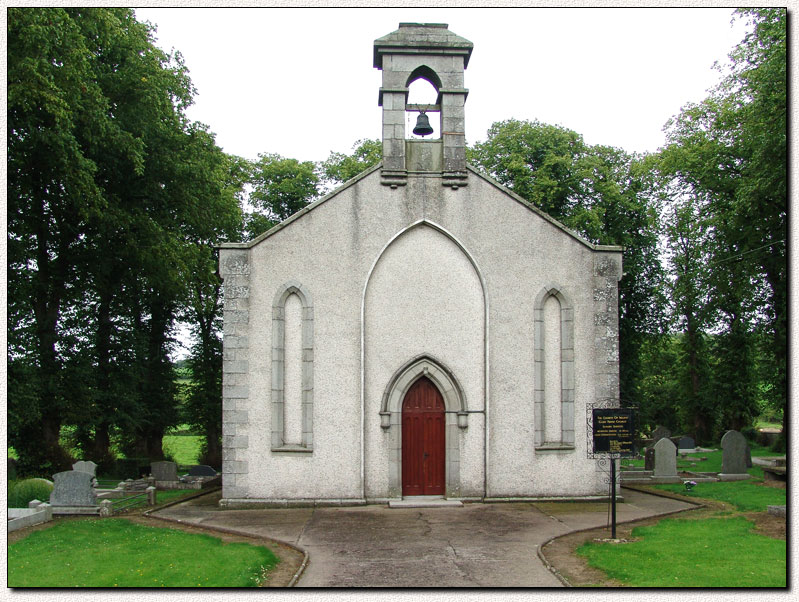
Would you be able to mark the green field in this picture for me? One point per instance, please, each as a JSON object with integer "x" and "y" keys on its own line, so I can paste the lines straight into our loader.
{"x": 746, "y": 496}
{"x": 114, "y": 552}
{"x": 183, "y": 449}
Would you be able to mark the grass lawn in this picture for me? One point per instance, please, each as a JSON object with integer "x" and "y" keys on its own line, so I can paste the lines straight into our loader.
{"x": 746, "y": 496}
{"x": 114, "y": 552}
{"x": 713, "y": 552}
{"x": 713, "y": 547}
{"x": 185, "y": 449}
{"x": 170, "y": 495}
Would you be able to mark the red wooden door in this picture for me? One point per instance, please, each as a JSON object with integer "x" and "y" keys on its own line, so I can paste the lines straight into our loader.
{"x": 423, "y": 440}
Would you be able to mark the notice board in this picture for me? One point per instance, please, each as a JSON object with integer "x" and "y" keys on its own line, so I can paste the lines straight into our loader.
{"x": 613, "y": 430}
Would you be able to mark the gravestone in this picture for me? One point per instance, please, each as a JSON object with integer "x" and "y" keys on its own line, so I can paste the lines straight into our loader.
{"x": 666, "y": 461}
{"x": 164, "y": 471}
{"x": 733, "y": 457}
{"x": 659, "y": 433}
{"x": 686, "y": 442}
{"x": 73, "y": 488}
{"x": 202, "y": 470}
{"x": 85, "y": 466}
{"x": 649, "y": 458}
{"x": 137, "y": 485}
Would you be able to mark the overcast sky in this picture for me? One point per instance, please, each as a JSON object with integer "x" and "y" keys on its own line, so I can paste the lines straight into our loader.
{"x": 300, "y": 82}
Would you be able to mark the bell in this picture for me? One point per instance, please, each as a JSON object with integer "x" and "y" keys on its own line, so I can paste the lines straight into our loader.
{"x": 422, "y": 126}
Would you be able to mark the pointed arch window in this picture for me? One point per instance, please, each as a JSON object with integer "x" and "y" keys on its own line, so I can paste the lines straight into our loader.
{"x": 554, "y": 370}
{"x": 292, "y": 369}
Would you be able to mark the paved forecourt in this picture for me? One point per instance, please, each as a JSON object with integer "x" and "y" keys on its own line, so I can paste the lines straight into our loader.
{"x": 478, "y": 545}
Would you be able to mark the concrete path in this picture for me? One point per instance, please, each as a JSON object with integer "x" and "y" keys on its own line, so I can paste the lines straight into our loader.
{"x": 478, "y": 545}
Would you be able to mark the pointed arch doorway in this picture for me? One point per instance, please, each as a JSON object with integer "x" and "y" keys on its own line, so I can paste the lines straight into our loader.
{"x": 423, "y": 440}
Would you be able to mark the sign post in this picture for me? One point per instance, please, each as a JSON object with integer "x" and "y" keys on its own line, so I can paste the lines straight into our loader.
{"x": 613, "y": 434}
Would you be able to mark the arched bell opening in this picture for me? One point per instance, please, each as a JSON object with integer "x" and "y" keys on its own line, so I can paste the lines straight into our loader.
{"x": 422, "y": 111}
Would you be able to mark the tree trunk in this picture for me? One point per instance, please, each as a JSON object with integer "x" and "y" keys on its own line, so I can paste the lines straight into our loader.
{"x": 48, "y": 287}
{"x": 101, "y": 443}
{"x": 213, "y": 447}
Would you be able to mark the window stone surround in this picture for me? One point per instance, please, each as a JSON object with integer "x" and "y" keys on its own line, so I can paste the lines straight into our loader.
{"x": 278, "y": 369}
{"x": 566, "y": 442}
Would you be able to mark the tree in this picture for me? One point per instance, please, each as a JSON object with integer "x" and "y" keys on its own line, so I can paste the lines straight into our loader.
{"x": 686, "y": 231}
{"x": 226, "y": 178}
{"x": 281, "y": 186}
{"x": 111, "y": 191}
{"x": 56, "y": 111}
{"x": 338, "y": 167}
{"x": 539, "y": 162}
{"x": 734, "y": 153}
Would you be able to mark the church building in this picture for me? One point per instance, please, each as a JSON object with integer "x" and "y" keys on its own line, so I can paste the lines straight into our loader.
{"x": 419, "y": 331}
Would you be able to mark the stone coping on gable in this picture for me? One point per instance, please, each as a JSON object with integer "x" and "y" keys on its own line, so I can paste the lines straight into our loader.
{"x": 367, "y": 172}
{"x": 301, "y": 212}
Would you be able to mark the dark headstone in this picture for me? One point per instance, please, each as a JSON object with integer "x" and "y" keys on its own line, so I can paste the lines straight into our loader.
{"x": 164, "y": 471}
{"x": 686, "y": 442}
{"x": 659, "y": 433}
{"x": 734, "y": 451}
{"x": 202, "y": 470}
{"x": 649, "y": 458}
{"x": 73, "y": 488}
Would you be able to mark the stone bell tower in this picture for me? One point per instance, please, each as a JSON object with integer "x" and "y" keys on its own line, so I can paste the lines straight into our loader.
{"x": 431, "y": 52}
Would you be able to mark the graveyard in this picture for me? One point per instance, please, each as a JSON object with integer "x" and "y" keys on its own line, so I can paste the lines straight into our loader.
{"x": 735, "y": 537}
{"x": 742, "y": 513}
{"x": 61, "y": 533}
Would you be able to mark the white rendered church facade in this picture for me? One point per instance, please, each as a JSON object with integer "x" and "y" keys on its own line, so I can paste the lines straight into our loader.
{"x": 419, "y": 331}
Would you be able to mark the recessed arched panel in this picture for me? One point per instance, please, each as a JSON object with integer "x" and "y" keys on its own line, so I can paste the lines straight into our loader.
{"x": 424, "y": 308}
{"x": 292, "y": 371}
{"x": 554, "y": 384}
{"x": 298, "y": 358}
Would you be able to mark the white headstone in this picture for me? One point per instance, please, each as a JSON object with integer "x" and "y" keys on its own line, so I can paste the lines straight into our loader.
{"x": 665, "y": 459}
{"x": 86, "y": 466}
{"x": 73, "y": 488}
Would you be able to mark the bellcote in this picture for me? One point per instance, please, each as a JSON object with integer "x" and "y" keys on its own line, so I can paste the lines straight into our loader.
{"x": 431, "y": 52}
